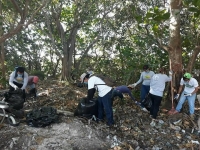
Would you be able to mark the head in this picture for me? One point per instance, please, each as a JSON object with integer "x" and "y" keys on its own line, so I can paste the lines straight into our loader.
{"x": 84, "y": 77}
{"x": 162, "y": 70}
{"x": 35, "y": 79}
{"x": 187, "y": 76}
{"x": 146, "y": 68}
{"x": 20, "y": 70}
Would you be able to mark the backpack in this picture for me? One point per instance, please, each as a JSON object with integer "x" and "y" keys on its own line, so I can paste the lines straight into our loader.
{"x": 16, "y": 72}
{"x": 41, "y": 117}
{"x": 87, "y": 110}
{"x": 108, "y": 80}
{"x": 14, "y": 99}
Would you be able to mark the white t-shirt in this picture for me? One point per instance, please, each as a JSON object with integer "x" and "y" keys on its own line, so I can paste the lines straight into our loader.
{"x": 102, "y": 89}
{"x": 157, "y": 84}
{"x": 189, "y": 86}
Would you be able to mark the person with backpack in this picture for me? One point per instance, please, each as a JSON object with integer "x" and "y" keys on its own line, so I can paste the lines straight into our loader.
{"x": 157, "y": 86}
{"x": 31, "y": 85}
{"x": 18, "y": 80}
{"x": 190, "y": 89}
{"x": 145, "y": 78}
{"x": 104, "y": 96}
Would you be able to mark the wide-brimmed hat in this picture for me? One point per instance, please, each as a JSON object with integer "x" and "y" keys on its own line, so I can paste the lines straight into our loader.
{"x": 82, "y": 77}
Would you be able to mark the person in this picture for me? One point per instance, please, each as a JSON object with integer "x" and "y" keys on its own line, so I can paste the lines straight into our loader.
{"x": 145, "y": 78}
{"x": 123, "y": 89}
{"x": 104, "y": 96}
{"x": 31, "y": 85}
{"x": 157, "y": 86}
{"x": 189, "y": 93}
{"x": 18, "y": 80}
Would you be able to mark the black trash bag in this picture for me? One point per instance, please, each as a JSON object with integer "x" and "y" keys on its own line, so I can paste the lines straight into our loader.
{"x": 87, "y": 109}
{"x": 15, "y": 99}
{"x": 147, "y": 102}
{"x": 42, "y": 117}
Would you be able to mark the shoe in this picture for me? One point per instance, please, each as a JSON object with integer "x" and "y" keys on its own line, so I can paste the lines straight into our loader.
{"x": 153, "y": 123}
{"x": 144, "y": 109}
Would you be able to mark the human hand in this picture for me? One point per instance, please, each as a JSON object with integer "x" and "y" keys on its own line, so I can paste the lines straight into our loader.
{"x": 187, "y": 94}
{"x": 134, "y": 85}
{"x": 176, "y": 96}
{"x": 15, "y": 87}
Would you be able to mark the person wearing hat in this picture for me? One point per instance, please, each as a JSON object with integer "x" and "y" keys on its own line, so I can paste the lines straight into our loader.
{"x": 189, "y": 93}
{"x": 31, "y": 85}
{"x": 145, "y": 78}
{"x": 104, "y": 96}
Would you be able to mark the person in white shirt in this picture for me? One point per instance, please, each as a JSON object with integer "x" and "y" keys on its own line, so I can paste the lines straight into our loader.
{"x": 145, "y": 78}
{"x": 18, "y": 80}
{"x": 157, "y": 86}
{"x": 189, "y": 93}
{"x": 104, "y": 96}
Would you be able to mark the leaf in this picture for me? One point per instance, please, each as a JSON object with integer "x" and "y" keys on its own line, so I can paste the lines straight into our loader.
{"x": 193, "y": 9}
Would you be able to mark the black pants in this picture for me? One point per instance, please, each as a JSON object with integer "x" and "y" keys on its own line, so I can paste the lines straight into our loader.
{"x": 19, "y": 86}
{"x": 156, "y": 100}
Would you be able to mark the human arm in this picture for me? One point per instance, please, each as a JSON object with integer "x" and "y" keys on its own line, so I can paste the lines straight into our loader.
{"x": 90, "y": 94}
{"x": 11, "y": 79}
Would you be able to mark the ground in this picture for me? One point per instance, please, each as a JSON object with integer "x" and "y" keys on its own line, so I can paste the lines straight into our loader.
{"x": 132, "y": 130}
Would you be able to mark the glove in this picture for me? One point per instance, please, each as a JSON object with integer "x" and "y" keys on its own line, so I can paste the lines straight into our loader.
{"x": 15, "y": 87}
{"x": 134, "y": 85}
{"x": 176, "y": 96}
{"x": 187, "y": 94}
{"x": 170, "y": 72}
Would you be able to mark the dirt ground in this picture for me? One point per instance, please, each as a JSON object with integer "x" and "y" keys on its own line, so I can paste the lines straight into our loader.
{"x": 132, "y": 130}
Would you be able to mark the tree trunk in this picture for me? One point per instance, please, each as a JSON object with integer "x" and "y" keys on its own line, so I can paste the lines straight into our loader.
{"x": 175, "y": 49}
{"x": 192, "y": 59}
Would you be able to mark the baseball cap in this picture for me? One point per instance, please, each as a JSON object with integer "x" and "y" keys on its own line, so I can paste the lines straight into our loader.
{"x": 82, "y": 77}
{"x": 187, "y": 75}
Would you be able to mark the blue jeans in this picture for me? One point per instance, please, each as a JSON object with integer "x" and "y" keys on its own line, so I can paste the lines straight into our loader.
{"x": 104, "y": 103}
{"x": 191, "y": 102}
{"x": 144, "y": 91}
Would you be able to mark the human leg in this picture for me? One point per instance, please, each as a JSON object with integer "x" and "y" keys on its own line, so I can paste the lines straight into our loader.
{"x": 106, "y": 101}
{"x": 144, "y": 91}
{"x": 100, "y": 108}
{"x": 180, "y": 103}
{"x": 157, "y": 101}
{"x": 191, "y": 103}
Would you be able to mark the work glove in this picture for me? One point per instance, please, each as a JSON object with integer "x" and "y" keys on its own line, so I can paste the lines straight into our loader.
{"x": 170, "y": 73}
{"x": 176, "y": 96}
{"x": 187, "y": 94}
{"x": 132, "y": 85}
{"x": 15, "y": 87}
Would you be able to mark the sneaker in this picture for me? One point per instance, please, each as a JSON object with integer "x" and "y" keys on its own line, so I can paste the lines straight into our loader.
{"x": 144, "y": 109}
{"x": 153, "y": 123}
